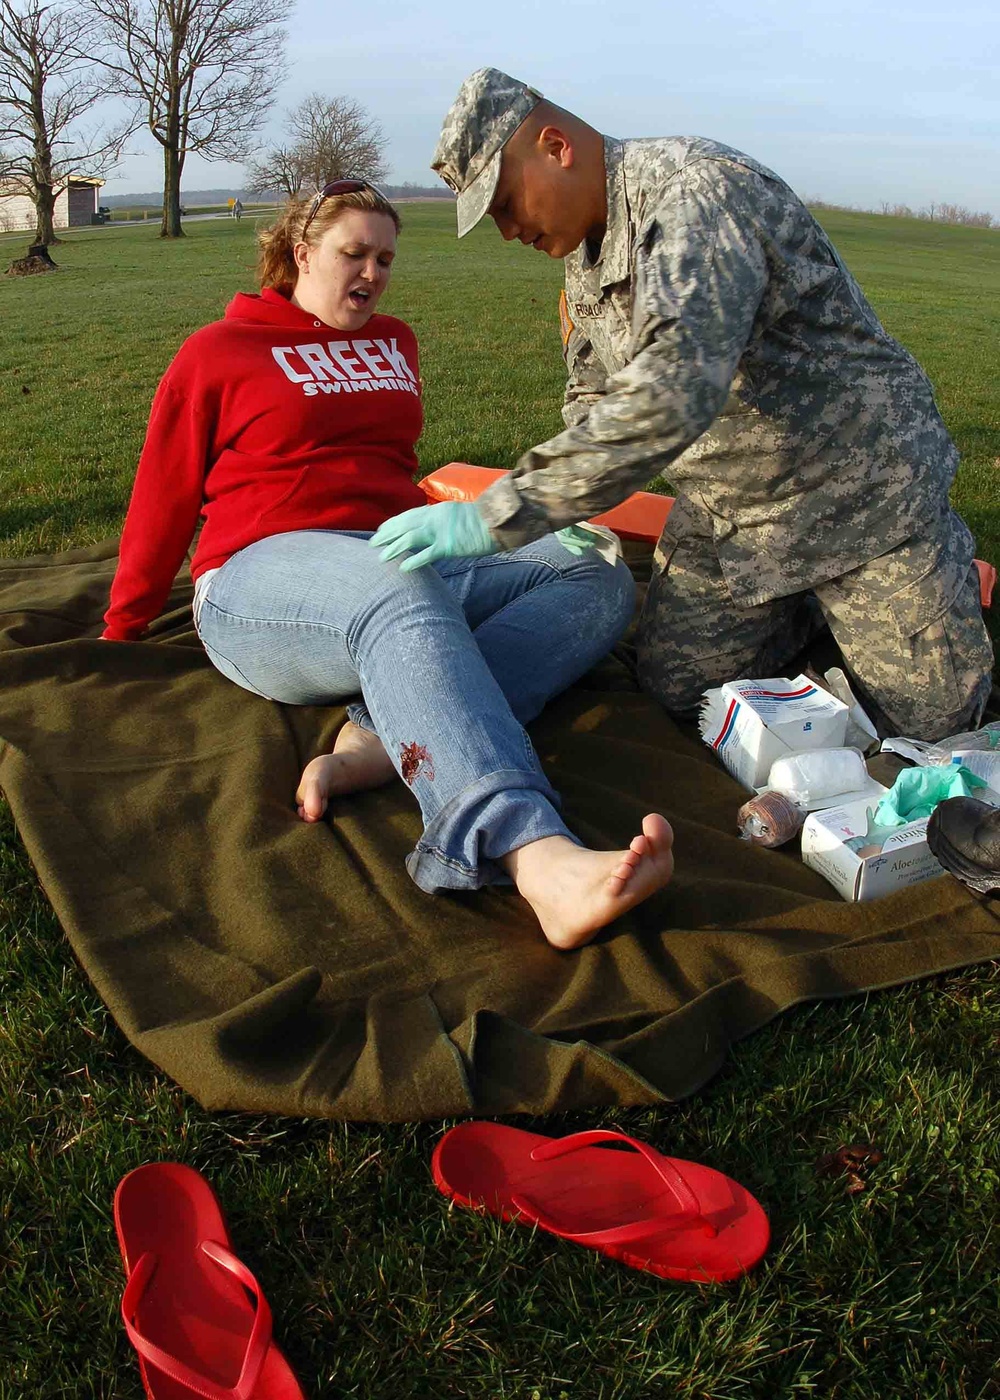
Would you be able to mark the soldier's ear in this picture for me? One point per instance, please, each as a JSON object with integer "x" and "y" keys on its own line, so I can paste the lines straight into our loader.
{"x": 555, "y": 143}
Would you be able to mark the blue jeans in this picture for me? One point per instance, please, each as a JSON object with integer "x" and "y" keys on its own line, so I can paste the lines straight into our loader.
{"x": 451, "y": 662}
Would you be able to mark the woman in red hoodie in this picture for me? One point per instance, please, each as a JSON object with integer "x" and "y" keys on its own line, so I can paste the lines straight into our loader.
{"x": 289, "y": 427}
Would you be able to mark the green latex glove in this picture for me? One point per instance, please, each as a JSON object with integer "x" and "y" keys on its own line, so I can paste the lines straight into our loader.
{"x": 445, "y": 530}
{"x": 576, "y": 539}
{"x": 917, "y": 791}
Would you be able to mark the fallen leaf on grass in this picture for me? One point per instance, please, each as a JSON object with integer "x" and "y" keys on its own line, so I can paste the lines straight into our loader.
{"x": 851, "y": 1162}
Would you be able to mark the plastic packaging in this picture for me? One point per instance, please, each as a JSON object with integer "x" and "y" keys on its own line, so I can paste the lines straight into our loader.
{"x": 769, "y": 819}
{"x": 919, "y": 751}
{"x": 984, "y": 763}
{"x": 986, "y": 738}
{"x": 861, "y": 733}
{"x": 807, "y": 777}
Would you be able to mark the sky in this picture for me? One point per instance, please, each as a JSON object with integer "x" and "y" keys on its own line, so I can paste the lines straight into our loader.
{"x": 862, "y": 102}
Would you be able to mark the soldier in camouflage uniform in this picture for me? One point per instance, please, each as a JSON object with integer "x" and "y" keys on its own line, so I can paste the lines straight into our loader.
{"x": 710, "y": 327}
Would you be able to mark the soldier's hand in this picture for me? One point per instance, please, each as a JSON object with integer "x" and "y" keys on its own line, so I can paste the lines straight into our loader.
{"x": 577, "y": 539}
{"x": 446, "y": 530}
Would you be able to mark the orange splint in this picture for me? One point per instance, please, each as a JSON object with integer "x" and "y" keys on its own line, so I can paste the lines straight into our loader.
{"x": 641, "y": 517}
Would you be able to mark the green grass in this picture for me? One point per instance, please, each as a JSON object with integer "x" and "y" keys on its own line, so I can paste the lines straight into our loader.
{"x": 377, "y": 1288}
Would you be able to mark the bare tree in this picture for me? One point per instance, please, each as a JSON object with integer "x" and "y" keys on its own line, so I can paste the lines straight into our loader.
{"x": 203, "y": 72}
{"x": 329, "y": 138}
{"x": 337, "y": 138}
{"x": 280, "y": 168}
{"x": 45, "y": 90}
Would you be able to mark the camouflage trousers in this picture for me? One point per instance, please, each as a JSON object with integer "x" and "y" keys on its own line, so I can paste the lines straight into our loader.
{"x": 909, "y": 625}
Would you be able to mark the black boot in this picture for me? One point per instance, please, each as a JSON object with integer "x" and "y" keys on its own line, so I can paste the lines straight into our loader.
{"x": 964, "y": 834}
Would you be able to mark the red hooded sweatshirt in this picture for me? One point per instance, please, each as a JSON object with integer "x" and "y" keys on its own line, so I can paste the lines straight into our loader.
{"x": 267, "y": 421}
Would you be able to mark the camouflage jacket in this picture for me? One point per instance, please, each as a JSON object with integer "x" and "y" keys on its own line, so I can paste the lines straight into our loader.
{"x": 718, "y": 334}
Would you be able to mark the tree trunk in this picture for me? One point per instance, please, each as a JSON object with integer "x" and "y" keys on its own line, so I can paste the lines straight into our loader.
{"x": 43, "y": 181}
{"x": 45, "y": 205}
{"x": 173, "y": 164}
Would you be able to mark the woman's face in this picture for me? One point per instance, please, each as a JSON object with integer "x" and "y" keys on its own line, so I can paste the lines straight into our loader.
{"x": 342, "y": 278}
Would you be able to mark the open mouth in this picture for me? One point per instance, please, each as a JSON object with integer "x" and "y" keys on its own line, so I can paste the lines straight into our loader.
{"x": 359, "y": 298}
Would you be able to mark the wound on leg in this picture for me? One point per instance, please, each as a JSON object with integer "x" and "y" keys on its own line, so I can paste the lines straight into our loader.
{"x": 415, "y": 759}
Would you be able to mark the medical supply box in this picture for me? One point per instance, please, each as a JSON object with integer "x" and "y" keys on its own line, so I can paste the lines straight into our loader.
{"x": 861, "y": 863}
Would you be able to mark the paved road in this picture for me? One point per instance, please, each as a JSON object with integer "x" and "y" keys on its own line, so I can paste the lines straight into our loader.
{"x": 247, "y": 214}
{"x": 24, "y": 236}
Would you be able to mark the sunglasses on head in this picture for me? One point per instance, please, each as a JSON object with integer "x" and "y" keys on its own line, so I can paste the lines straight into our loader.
{"x": 338, "y": 187}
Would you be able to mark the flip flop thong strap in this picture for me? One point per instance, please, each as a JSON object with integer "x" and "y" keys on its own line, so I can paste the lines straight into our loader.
{"x": 661, "y": 1165}
{"x": 172, "y": 1366}
{"x": 629, "y": 1233}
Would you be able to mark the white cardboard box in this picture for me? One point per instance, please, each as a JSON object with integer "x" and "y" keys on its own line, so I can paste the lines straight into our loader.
{"x": 750, "y": 723}
{"x": 836, "y": 843}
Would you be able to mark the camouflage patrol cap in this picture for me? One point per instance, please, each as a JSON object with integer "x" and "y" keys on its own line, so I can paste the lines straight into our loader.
{"x": 489, "y": 108}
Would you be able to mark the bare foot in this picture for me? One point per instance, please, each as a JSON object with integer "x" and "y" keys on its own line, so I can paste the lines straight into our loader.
{"x": 575, "y": 891}
{"x": 358, "y": 762}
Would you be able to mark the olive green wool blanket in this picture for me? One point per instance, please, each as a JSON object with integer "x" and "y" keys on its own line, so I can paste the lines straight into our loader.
{"x": 271, "y": 965}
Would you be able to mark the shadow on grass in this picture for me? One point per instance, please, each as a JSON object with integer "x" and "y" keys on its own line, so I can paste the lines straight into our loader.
{"x": 45, "y": 526}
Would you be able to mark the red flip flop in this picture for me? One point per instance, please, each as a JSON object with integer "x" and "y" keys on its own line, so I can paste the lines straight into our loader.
{"x": 673, "y": 1218}
{"x": 185, "y": 1308}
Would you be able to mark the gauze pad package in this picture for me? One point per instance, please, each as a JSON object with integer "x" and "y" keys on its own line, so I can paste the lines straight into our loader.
{"x": 751, "y": 723}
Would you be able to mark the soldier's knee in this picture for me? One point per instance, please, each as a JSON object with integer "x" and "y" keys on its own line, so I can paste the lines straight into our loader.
{"x": 932, "y": 716}
{"x": 675, "y": 682}
{"x": 943, "y": 692}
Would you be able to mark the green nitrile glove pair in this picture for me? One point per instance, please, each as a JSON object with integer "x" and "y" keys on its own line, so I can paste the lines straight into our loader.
{"x": 917, "y": 791}
{"x": 451, "y": 530}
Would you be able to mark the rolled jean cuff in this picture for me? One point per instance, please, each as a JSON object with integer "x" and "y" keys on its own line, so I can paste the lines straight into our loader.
{"x": 357, "y": 713}
{"x": 498, "y": 813}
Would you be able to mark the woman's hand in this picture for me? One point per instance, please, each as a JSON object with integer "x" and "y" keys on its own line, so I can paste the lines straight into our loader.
{"x": 445, "y": 530}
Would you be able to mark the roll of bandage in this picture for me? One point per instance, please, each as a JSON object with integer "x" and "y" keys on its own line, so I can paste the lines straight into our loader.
{"x": 770, "y": 819}
{"x": 809, "y": 777}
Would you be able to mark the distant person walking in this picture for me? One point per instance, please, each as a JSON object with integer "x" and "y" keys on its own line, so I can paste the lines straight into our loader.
{"x": 237, "y": 208}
